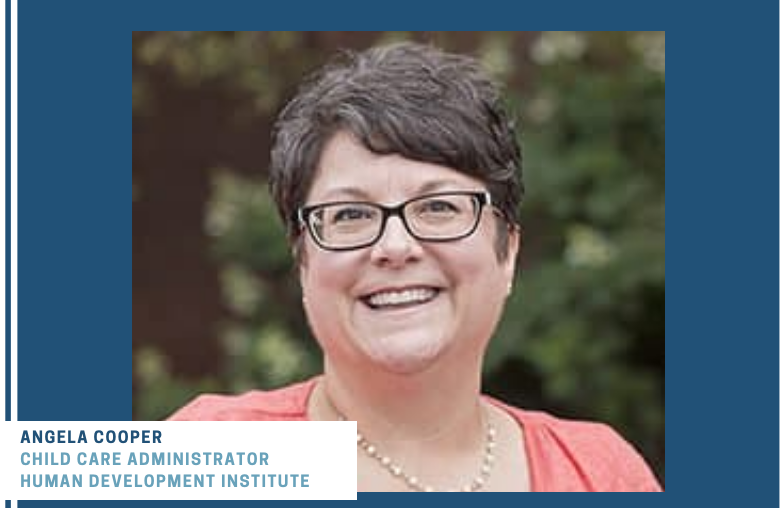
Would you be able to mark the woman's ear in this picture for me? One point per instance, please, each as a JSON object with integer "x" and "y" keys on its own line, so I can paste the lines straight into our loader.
{"x": 303, "y": 283}
{"x": 513, "y": 246}
{"x": 300, "y": 258}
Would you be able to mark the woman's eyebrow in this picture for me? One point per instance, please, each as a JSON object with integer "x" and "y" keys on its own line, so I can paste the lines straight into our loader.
{"x": 437, "y": 185}
{"x": 345, "y": 193}
{"x": 351, "y": 192}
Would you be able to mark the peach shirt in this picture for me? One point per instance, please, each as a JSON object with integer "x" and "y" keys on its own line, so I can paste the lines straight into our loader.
{"x": 563, "y": 455}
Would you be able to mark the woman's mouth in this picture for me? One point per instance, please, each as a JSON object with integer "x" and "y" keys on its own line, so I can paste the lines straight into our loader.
{"x": 400, "y": 299}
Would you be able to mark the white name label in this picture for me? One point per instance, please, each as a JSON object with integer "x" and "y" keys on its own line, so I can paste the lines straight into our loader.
{"x": 177, "y": 460}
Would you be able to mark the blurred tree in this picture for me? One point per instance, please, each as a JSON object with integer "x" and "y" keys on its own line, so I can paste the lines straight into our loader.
{"x": 583, "y": 333}
{"x": 588, "y": 318}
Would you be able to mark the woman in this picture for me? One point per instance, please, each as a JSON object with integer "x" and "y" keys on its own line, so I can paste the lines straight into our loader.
{"x": 398, "y": 175}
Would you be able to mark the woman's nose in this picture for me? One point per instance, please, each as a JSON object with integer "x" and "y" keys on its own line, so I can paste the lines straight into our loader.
{"x": 396, "y": 247}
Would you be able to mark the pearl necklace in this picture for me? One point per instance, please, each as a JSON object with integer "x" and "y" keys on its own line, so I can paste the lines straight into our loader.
{"x": 477, "y": 483}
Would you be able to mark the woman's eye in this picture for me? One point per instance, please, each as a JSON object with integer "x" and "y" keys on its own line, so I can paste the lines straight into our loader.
{"x": 351, "y": 215}
{"x": 438, "y": 206}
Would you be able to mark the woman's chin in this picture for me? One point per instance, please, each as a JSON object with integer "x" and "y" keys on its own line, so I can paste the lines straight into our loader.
{"x": 404, "y": 354}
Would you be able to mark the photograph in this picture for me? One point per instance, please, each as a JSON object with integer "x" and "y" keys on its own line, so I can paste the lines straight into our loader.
{"x": 454, "y": 239}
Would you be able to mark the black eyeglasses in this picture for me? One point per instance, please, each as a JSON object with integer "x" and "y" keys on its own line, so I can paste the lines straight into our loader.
{"x": 439, "y": 217}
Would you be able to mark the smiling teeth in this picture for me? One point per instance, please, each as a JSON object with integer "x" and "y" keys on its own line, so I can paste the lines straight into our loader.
{"x": 401, "y": 297}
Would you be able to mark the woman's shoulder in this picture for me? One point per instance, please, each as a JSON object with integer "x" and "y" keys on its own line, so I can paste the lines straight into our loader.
{"x": 284, "y": 404}
{"x": 581, "y": 455}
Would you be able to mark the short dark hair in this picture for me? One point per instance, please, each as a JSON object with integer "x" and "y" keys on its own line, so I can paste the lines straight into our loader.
{"x": 408, "y": 99}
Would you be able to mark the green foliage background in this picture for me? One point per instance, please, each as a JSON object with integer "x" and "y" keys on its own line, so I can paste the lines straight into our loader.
{"x": 584, "y": 331}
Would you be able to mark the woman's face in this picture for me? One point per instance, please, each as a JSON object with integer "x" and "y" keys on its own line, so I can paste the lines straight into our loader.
{"x": 401, "y": 304}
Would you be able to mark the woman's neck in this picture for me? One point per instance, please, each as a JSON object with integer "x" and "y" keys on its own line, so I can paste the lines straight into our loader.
{"x": 433, "y": 425}
{"x": 439, "y": 409}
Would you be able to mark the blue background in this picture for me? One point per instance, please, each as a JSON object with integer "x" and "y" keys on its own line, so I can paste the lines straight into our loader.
{"x": 74, "y": 214}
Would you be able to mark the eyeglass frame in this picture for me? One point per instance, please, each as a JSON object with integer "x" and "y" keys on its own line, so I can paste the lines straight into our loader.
{"x": 482, "y": 198}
